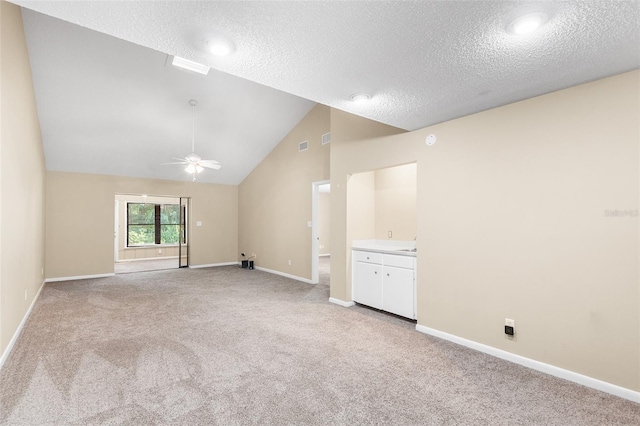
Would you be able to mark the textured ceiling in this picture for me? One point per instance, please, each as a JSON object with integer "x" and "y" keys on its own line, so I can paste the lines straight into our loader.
{"x": 423, "y": 62}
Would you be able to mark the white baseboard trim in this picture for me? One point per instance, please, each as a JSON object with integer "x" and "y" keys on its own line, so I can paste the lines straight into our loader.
{"x": 536, "y": 365}
{"x": 341, "y": 302}
{"x": 79, "y": 277}
{"x": 14, "y": 339}
{"x": 283, "y": 274}
{"x": 147, "y": 258}
{"x": 212, "y": 265}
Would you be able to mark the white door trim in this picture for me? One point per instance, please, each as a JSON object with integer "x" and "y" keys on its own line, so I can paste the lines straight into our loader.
{"x": 116, "y": 235}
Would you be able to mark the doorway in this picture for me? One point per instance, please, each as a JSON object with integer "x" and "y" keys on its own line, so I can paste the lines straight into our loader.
{"x": 150, "y": 233}
{"x": 320, "y": 233}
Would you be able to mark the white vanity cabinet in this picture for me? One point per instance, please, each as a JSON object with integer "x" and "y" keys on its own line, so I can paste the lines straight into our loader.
{"x": 385, "y": 281}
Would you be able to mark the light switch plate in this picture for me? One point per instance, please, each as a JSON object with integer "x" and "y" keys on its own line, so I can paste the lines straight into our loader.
{"x": 199, "y": 223}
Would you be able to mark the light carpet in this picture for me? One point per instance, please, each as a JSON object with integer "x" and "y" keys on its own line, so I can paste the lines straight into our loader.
{"x": 231, "y": 346}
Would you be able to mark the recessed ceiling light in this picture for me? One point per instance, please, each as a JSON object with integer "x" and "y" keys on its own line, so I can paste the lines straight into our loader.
{"x": 360, "y": 97}
{"x": 220, "y": 46}
{"x": 189, "y": 65}
{"x": 527, "y": 23}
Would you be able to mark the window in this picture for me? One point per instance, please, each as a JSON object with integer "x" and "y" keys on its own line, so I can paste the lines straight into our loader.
{"x": 149, "y": 224}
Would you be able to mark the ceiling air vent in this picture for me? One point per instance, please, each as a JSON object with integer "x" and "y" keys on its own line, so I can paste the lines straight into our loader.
{"x": 326, "y": 138}
{"x": 303, "y": 146}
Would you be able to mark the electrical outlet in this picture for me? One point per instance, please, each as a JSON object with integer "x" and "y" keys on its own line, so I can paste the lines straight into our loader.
{"x": 389, "y": 234}
{"x": 253, "y": 255}
{"x": 509, "y": 327}
{"x": 159, "y": 251}
{"x": 26, "y": 294}
{"x": 289, "y": 262}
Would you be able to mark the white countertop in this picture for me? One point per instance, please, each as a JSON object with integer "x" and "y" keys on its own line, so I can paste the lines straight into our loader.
{"x": 402, "y": 248}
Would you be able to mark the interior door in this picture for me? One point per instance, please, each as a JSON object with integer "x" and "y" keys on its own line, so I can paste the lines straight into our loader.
{"x": 183, "y": 242}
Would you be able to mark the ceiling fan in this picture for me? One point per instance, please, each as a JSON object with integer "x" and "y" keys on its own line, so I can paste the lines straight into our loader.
{"x": 193, "y": 162}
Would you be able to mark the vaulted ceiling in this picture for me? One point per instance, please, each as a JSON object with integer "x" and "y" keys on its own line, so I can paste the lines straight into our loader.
{"x": 110, "y": 102}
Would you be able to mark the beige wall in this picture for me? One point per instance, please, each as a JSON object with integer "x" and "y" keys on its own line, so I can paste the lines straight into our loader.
{"x": 511, "y": 223}
{"x": 275, "y": 199}
{"x": 82, "y": 243}
{"x": 345, "y": 128}
{"x": 324, "y": 223}
{"x": 21, "y": 179}
{"x": 380, "y": 201}
{"x": 396, "y": 191}
{"x": 132, "y": 253}
{"x": 361, "y": 206}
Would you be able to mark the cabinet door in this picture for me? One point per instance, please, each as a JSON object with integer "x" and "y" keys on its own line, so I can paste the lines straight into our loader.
{"x": 368, "y": 284}
{"x": 397, "y": 291}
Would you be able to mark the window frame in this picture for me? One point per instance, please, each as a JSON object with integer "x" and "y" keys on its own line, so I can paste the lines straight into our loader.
{"x": 157, "y": 225}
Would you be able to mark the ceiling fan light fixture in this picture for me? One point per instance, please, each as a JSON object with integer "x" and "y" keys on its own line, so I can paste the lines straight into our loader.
{"x": 528, "y": 23}
{"x": 194, "y": 164}
{"x": 188, "y": 65}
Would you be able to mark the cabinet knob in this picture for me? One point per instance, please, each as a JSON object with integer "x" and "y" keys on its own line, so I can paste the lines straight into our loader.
{"x": 387, "y": 274}
{"x": 367, "y": 257}
{"x": 375, "y": 272}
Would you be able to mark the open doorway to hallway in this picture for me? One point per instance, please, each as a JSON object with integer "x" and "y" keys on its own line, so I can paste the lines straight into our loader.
{"x": 321, "y": 226}
{"x": 150, "y": 233}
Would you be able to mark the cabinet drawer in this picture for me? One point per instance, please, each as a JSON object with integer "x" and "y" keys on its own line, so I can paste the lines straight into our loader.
{"x": 366, "y": 256}
{"x": 399, "y": 261}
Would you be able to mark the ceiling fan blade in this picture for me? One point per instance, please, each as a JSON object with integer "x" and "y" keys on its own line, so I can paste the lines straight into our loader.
{"x": 167, "y": 164}
{"x": 210, "y": 166}
{"x": 208, "y": 162}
